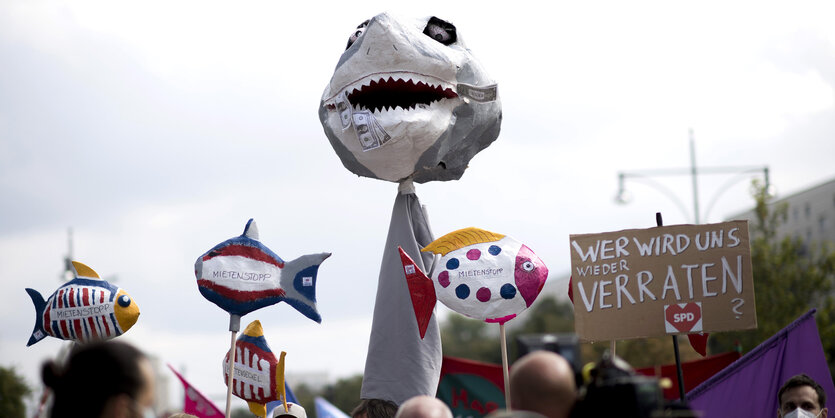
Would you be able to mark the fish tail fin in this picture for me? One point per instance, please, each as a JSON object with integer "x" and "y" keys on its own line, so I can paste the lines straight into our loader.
{"x": 279, "y": 378}
{"x": 40, "y": 305}
{"x": 298, "y": 280}
{"x": 258, "y": 409}
{"x": 422, "y": 291}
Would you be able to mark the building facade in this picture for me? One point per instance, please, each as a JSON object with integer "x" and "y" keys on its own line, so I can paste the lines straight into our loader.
{"x": 810, "y": 217}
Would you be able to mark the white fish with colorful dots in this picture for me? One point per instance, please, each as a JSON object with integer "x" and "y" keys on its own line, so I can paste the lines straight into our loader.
{"x": 85, "y": 308}
{"x": 480, "y": 274}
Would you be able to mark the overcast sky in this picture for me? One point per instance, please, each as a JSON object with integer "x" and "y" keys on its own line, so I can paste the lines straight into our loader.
{"x": 155, "y": 129}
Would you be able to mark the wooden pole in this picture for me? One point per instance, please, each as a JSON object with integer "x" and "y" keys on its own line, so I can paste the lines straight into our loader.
{"x": 505, "y": 368}
{"x": 234, "y": 327}
{"x": 679, "y": 373}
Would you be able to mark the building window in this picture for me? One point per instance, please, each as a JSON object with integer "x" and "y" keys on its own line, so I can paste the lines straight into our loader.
{"x": 795, "y": 214}
{"x": 807, "y": 210}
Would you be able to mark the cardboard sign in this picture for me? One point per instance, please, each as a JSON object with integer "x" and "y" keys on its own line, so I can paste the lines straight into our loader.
{"x": 667, "y": 280}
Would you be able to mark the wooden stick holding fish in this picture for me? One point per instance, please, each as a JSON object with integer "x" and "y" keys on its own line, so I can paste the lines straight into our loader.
{"x": 479, "y": 274}
{"x": 505, "y": 367}
{"x": 234, "y": 327}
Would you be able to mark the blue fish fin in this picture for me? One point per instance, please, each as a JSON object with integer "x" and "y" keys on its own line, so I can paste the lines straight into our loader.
{"x": 39, "y": 332}
{"x": 298, "y": 279}
{"x": 251, "y": 229}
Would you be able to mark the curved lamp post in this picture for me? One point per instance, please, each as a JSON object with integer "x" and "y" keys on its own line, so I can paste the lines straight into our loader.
{"x": 624, "y": 197}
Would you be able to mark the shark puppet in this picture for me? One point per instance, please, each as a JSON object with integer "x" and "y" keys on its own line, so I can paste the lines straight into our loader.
{"x": 407, "y": 103}
{"x": 409, "y": 100}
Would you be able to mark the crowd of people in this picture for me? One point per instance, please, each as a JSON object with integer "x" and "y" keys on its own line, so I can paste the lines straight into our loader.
{"x": 114, "y": 379}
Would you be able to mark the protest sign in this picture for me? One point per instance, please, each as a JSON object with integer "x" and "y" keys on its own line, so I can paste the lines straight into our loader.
{"x": 659, "y": 281}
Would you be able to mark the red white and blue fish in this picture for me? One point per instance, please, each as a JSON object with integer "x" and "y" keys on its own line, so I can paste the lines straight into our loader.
{"x": 479, "y": 274}
{"x": 241, "y": 275}
{"x": 259, "y": 375}
{"x": 85, "y": 308}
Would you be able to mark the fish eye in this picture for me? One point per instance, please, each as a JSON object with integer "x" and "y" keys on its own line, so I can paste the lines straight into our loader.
{"x": 441, "y": 31}
{"x": 357, "y": 33}
{"x": 527, "y": 266}
{"x": 124, "y": 301}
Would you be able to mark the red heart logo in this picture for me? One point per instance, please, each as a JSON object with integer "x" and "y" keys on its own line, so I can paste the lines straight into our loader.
{"x": 683, "y": 318}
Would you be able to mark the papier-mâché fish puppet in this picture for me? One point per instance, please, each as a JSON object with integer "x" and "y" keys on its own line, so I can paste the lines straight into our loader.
{"x": 409, "y": 101}
{"x": 85, "y": 308}
{"x": 241, "y": 275}
{"x": 480, "y": 274}
{"x": 259, "y": 375}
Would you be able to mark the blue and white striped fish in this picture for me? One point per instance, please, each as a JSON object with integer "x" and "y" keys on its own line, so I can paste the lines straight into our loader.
{"x": 85, "y": 308}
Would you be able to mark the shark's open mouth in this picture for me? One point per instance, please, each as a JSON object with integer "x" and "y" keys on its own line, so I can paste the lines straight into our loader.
{"x": 390, "y": 93}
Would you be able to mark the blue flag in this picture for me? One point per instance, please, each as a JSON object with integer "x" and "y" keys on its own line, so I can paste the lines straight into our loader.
{"x": 325, "y": 409}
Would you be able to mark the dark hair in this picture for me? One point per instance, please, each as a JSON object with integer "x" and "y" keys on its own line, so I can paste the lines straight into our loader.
{"x": 375, "y": 408}
{"x": 93, "y": 374}
{"x": 798, "y": 381}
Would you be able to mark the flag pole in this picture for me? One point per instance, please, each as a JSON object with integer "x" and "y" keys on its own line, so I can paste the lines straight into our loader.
{"x": 505, "y": 368}
{"x": 234, "y": 327}
{"x": 679, "y": 374}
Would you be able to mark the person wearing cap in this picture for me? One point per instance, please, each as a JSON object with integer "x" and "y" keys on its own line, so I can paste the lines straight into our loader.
{"x": 293, "y": 411}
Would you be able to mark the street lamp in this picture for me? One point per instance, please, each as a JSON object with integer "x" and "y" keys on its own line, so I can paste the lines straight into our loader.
{"x": 624, "y": 196}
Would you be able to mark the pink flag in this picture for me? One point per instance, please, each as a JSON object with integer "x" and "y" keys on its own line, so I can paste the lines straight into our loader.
{"x": 196, "y": 403}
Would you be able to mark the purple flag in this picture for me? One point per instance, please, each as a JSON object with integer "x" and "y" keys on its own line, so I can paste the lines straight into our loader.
{"x": 748, "y": 387}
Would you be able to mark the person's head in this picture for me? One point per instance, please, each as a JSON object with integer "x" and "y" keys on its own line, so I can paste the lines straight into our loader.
{"x": 101, "y": 379}
{"x": 293, "y": 411}
{"x": 543, "y": 382}
{"x": 374, "y": 408}
{"x": 423, "y": 407}
{"x": 801, "y": 397}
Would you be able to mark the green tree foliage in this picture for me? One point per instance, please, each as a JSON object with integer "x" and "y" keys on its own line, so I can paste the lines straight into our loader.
{"x": 306, "y": 396}
{"x": 547, "y": 315}
{"x": 790, "y": 277}
{"x": 345, "y": 393}
{"x": 471, "y": 339}
{"x": 13, "y": 390}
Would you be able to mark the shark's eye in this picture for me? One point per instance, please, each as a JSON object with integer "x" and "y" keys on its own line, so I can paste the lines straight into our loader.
{"x": 357, "y": 33}
{"x": 441, "y": 31}
{"x": 124, "y": 301}
{"x": 527, "y": 266}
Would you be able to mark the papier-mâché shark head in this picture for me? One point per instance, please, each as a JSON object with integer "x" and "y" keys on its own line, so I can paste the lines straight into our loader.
{"x": 409, "y": 101}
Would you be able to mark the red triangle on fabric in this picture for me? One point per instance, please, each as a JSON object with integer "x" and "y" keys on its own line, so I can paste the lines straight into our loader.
{"x": 421, "y": 290}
